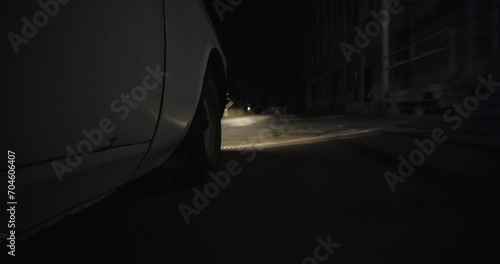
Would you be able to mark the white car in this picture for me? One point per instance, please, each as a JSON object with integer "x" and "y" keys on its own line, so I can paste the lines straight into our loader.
{"x": 103, "y": 93}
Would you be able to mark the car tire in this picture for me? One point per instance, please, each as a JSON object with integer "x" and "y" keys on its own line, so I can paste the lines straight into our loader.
{"x": 204, "y": 135}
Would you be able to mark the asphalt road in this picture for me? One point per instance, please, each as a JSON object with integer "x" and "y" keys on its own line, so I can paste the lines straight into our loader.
{"x": 308, "y": 185}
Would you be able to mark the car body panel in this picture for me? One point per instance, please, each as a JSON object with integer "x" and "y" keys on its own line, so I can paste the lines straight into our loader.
{"x": 186, "y": 70}
{"x": 42, "y": 196}
{"x": 66, "y": 79}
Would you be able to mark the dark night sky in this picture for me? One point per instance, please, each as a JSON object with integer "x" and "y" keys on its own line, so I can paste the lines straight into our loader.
{"x": 263, "y": 43}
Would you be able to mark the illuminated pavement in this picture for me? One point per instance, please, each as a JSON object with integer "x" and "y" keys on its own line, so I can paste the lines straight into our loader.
{"x": 272, "y": 130}
{"x": 288, "y": 195}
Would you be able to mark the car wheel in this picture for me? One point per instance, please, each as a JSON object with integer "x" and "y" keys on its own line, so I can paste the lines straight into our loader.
{"x": 204, "y": 135}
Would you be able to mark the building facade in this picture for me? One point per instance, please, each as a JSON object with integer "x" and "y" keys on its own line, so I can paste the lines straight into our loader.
{"x": 398, "y": 57}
